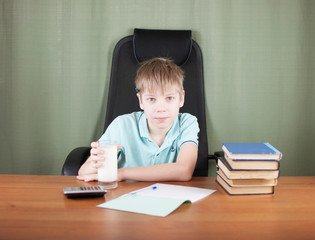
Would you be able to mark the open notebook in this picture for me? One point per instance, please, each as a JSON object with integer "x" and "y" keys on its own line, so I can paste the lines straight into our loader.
{"x": 158, "y": 199}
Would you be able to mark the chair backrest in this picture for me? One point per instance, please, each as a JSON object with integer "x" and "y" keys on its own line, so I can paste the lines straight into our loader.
{"x": 145, "y": 44}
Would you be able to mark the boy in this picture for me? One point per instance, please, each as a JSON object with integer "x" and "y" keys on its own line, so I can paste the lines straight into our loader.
{"x": 158, "y": 144}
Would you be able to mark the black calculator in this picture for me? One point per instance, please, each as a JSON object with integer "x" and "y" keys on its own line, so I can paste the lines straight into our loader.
{"x": 80, "y": 192}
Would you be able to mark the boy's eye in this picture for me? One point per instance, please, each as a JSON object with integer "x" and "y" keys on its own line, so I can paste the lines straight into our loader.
{"x": 170, "y": 98}
{"x": 151, "y": 99}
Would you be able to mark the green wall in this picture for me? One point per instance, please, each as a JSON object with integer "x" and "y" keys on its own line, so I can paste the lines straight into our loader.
{"x": 55, "y": 58}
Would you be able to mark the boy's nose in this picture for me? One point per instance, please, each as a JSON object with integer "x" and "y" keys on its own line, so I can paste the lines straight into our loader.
{"x": 161, "y": 106}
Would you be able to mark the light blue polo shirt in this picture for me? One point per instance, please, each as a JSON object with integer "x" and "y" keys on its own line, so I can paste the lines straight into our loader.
{"x": 131, "y": 131}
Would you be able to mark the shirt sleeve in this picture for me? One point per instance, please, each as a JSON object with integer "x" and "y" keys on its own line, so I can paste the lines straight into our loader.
{"x": 189, "y": 129}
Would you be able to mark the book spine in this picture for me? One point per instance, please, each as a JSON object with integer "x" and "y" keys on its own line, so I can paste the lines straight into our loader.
{"x": 272, "y": 147}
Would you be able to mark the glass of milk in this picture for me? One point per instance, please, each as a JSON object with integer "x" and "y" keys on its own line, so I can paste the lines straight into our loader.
{"x": 107, "y": 173}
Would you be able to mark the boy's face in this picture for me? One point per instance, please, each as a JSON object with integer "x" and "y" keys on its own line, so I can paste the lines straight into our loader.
{"x": 161, "y": 109}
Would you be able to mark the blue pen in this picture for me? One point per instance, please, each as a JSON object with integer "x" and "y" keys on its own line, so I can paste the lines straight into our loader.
{"x": 144, "y": 189}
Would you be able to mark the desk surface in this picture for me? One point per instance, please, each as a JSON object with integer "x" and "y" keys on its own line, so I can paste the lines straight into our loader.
{"x": 34, "y": 207}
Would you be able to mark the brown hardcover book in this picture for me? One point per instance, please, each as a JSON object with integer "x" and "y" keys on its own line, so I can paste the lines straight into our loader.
{"x": 246, "y": 173}
{"x": 252, "y": 164}
{"x": 244, "y": 190}
{"x": 247, "y": 182}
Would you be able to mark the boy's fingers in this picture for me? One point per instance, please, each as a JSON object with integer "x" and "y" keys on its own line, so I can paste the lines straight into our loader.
{"x": 97, "y": 161}
{"x": 95, "y": 144}
{"x": 97, "y": 164}
{"x": 94, "y": 151}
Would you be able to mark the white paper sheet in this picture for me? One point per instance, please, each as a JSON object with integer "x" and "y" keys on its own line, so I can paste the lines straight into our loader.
{"x": 192, "y": 194}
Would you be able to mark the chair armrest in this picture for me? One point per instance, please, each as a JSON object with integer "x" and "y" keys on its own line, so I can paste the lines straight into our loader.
{"x": 218, "y": 154}
{"x": 74, "y": 161}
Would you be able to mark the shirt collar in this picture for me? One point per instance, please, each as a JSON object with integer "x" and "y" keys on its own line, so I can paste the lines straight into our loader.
{"x": 143, "y": 127}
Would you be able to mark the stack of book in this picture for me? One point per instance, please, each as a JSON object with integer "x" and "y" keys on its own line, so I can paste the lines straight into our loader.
{"x": 249, "y": 168}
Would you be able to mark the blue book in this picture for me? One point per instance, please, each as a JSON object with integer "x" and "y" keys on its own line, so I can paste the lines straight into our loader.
{"x": 251, "y": 151}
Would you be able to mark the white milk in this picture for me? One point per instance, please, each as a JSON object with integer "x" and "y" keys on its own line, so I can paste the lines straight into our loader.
{"x": 107, "y": 173}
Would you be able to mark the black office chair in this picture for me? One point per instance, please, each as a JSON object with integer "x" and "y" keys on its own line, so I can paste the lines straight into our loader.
{"x": 128, "y": 53}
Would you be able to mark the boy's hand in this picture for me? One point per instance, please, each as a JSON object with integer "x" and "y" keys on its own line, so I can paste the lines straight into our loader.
{"x": 95, "y": 161}
{"x": 88, "y": 177}
{"x": 96, "y": 155}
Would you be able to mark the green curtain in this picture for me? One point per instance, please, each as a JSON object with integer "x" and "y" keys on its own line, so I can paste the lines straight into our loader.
{"x": 55, "y": 60}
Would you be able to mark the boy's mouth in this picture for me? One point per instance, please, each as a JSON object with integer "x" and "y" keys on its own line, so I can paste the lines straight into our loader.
{"x": 161, "y": 119}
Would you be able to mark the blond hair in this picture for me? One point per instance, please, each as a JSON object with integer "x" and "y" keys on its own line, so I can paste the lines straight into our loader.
{"x": 159, "y": 73}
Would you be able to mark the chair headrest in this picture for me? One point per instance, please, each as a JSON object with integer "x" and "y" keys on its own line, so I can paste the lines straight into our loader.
{"x": 173, "y": 44}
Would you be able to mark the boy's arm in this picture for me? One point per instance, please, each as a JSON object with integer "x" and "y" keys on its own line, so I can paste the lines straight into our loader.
{"x": 181, "y": 170}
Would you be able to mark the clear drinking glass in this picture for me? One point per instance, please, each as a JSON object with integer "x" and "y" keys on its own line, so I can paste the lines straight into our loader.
{"x": 108, "y": 172}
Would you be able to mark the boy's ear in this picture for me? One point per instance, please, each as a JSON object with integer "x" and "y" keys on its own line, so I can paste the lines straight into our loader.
{"x": 140, "y": 100}
{"x": 182, "y": 99}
